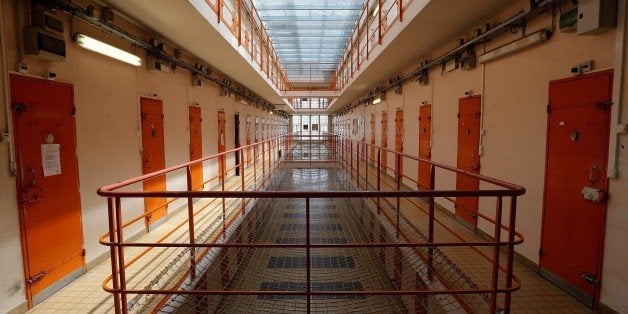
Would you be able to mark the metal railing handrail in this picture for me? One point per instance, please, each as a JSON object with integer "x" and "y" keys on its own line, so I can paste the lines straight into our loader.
{"x": 345, "y": 151}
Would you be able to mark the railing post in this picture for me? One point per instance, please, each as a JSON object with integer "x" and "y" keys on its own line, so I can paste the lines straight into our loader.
{"x": 190, "y": 203}
{"x": 357, "y": 160}
{"x": 255, "y": 165}
{"x": 113, "y": 227}
{"x": 400, "y": 7}
{"x": 121, "y": 271}
{"x": 308, "y": 254}
{"x": 366, "y": 166}
{"x": 242, "y": 178}
{"x": 351, "y": 159}
{"x": 379, "y": 176}
{"x": 263, "y": 163}
{"x": 379, "y": 26}
{"x": 430, "y": 234}
{"x": 219, "y": 13}
{"x": 496, "y": 247}
{"x": 398, "y": 189}
{"x": 239, "y": 23}
{"x": 511, "y": 251}
{"x": 224, "y": 208}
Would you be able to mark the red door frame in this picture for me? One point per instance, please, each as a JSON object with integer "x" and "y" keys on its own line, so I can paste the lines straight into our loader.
{"x": 50, "y": 98}
{"x": 468, "y": 159}
{"x": 583, "y": 96}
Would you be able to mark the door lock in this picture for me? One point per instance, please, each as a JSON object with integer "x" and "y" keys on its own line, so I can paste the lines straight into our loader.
{"x": 593, "y": 194}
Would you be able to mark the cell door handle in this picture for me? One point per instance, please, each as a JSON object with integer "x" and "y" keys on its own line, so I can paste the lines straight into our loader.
{"x": 594, "y": 173}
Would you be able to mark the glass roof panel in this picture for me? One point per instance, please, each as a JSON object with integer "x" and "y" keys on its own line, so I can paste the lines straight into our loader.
{"x": 309, "y": 36}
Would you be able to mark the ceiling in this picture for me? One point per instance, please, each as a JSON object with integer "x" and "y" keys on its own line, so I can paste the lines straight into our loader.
{"x": 309, "y": 36}
{"x": 439, "y": 23}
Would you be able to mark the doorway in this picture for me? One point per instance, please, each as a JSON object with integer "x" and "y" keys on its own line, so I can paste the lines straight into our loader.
{"x": 384, "y": 142}
{"x": 196, "y": 147}
{"x": 153, "y": 157}
{"x": 47, "y": 184}
{"x": 425, "y": 149}
{"x": 469, "y": 113}
{"x": 398, "y": 142}
{"x": 576, "y": 183}
{"x": 222, "y": 145}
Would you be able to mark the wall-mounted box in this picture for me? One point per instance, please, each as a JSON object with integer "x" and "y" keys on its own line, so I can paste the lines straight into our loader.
{"x": 44, "y": 44}
{"x": 596, "y": 16}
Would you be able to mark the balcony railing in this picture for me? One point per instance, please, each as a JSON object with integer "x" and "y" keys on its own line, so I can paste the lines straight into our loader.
{"x": 378, "y": 17}
{"x": 426, "y": 240}
{"x": 243, "y": 22}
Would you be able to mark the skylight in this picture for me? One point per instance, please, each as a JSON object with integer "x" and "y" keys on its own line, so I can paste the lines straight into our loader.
{"x": 309, "y": 36}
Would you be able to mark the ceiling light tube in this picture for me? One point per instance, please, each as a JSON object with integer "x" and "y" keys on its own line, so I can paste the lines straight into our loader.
{"x": 515, "y": 46}
{"x": 377, "y": 100}
{"x": 92, "y": 44}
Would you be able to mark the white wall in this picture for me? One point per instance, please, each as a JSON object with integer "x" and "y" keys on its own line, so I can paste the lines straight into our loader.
{"x": 107, "y": 94}
{"x": 514, "y": 92}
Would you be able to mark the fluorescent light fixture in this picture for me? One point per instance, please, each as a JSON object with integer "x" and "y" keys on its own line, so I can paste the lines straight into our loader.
{"x": 107, "y": 50}
{"x": 514, "y": 46}
{"x": 377, "y": 100}
{"x": 376, "y": 11}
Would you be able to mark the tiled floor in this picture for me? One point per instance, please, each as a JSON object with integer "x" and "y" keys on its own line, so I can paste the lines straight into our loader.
{"x": 337, "y": 221}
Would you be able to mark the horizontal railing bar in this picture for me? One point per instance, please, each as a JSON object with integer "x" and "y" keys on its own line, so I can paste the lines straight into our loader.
{"x": 283, "y": 292}
{"x": 343, "y": 245}
{"x": 308, "y": 194}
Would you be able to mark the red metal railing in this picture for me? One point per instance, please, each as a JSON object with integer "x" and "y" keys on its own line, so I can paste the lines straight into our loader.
{"x": 377, "y": 18}
{"x": 244, "y": 23}
{"x": 386, "y": 192}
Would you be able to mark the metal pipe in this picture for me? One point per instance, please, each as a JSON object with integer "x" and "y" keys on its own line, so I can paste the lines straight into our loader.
{"x": 135, "y": 41}
{"x": 8, "y": 136}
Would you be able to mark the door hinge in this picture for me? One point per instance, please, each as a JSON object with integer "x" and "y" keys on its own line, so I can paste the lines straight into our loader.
{"x": 549, "y": 108}
{"x": 73, "y": 111}
{"x": 541, "y": 253}
{"x": 33, "y": 279}
{"x": 590, "y": 278}
{"x": 19, "y": 108}
{"x": 458, "y": 115}
{"x": 83, "y": 252}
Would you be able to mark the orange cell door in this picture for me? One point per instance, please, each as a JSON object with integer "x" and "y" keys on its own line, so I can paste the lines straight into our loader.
{"x": 384, "y": 141}
{"x": 576, "y": 183}
{"x": 373, "y": 151}
{"x": 469, "y": 113}
{"x": 222, "y": 144}
{"x": 398, "y": 141}
{"x": 153, "y": 156}
{"x": 47, "y": 182}
{"x": 425, "y": 151}
{"x": 196, "y": 147}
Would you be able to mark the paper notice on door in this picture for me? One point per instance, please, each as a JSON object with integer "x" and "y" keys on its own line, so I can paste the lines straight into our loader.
{"x": 51, "y": 159}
